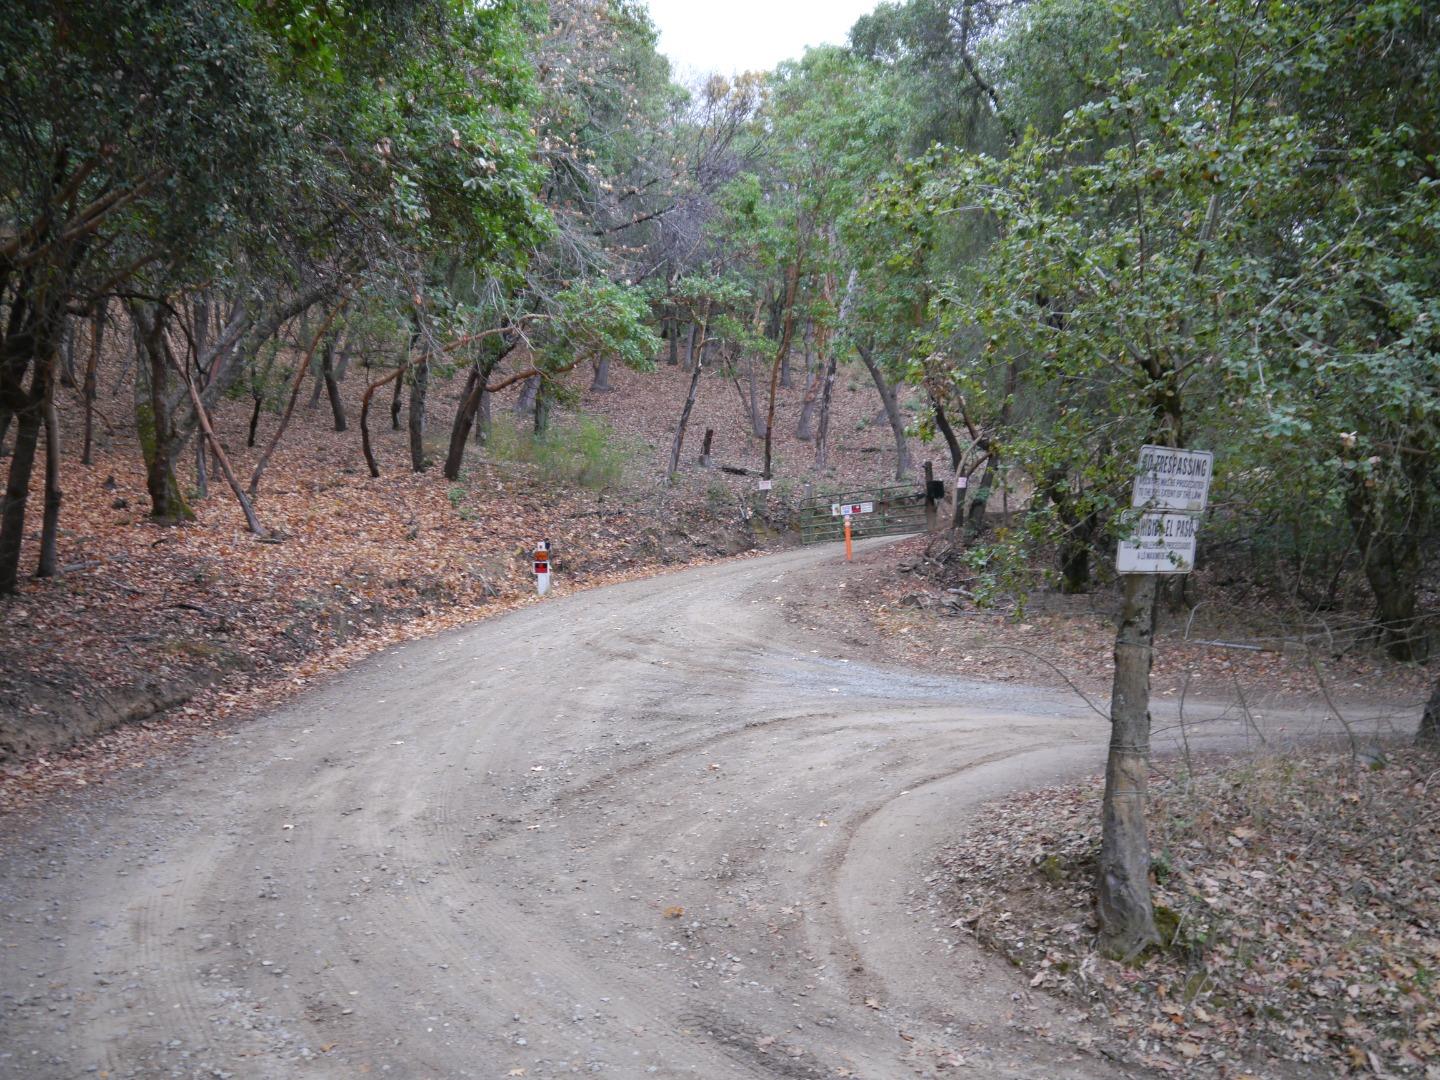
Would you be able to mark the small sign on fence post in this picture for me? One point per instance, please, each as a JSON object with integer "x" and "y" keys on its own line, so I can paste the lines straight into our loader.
{"x": 847, "y": 511}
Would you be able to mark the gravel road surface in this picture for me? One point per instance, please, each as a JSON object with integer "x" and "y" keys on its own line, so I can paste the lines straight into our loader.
{"x": 648, "y": 830}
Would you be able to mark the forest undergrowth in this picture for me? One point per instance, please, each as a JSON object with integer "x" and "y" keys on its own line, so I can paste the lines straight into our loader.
{"x": 1296, "y": 892}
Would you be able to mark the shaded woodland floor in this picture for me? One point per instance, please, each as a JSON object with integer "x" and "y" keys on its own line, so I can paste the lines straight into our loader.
{"x": 1297, "y": 892}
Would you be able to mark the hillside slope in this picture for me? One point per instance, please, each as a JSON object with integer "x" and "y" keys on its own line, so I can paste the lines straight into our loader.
{"x": 183, "y": 625}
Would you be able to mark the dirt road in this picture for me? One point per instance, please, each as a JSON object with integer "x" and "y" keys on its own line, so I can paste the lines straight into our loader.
{"x": 650, "y": 830}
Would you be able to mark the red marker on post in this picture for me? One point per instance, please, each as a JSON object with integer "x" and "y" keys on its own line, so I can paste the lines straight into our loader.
{"x": 542, "y": 567}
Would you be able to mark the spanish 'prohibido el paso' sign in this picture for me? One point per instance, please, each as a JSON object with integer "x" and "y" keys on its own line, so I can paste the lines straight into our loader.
{"x": 1161, "y": 544}
{"x": 1169, "y": 479}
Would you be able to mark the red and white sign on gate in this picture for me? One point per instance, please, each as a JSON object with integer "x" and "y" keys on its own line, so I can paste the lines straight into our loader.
{"x": 850, "y": 509}
{"x": 542, "y": 567}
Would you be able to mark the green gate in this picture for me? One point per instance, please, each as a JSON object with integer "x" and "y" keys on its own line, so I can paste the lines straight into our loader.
{"x": 898, "y": 508}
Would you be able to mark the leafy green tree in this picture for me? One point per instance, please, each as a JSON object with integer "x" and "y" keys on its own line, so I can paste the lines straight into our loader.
{"x": 133, "y": 135}
{"x": 1210, "y": 221}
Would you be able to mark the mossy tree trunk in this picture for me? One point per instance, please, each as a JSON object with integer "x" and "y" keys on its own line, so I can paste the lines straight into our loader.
{"x": 154, "y": 423}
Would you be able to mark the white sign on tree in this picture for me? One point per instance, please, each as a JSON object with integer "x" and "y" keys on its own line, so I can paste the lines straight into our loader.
{"x": 1170, "y": 479}
{"x": 1172, "y": 487}
{"x": 1162, "y": 544}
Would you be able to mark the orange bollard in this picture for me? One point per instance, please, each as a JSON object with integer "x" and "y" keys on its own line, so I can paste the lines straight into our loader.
{"x": 847, "y": 537}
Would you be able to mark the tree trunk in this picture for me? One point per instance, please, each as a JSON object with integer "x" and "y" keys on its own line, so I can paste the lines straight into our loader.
{"x": 684, "y": 421}
{"x": 601, "y": 382}
{"x": 542, "y": 408}
{"x": 690, "y": 344}
{"x": 526, "y": 404}
{"x": 827, "y": 388}
{"x": 474, "y": 402}
{"x": 92, "y": 366}
{"x": 1393, "y": 564}
{"x": 30, "y": 340}
{"x": 395, "y": 397}
{"x": 419, "y": 391}
{"x": 1429, "y": 734}
{"x": 255, "y": 417}
{"x": 300, "y": 373}
{"x": 332, "y": 385}
{"x": 892, "y": 412}
{"x": 153, "y": 420}
{"x": 672, "y": 334}
{"x": 943, "y": 423}
{"x": 810, "y": 396}
{"x": 50, "y": 525}
{"x": 397, "y": 375}
{"x": 1127, "y": 920}
{"x": 787, "y": 332}
{"x": 17, "y": 488}
{"x": 460, "y": 426}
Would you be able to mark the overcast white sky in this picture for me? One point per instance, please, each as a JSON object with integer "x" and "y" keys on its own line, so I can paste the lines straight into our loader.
{"x": 700, "y": 36}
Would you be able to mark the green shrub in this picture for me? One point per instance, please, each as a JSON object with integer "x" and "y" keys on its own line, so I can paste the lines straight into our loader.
{"x": 584, "y": 454}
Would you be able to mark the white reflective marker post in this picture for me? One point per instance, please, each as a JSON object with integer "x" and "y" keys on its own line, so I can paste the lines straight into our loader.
{"x": 542, "y": 567}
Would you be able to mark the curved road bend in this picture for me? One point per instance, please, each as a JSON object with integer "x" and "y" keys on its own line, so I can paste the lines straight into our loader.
{"x": 648, "y": 830}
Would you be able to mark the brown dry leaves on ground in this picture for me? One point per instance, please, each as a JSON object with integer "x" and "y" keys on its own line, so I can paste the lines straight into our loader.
{"x": 644, "y": 407}
{"x": 1299, "y": 894}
